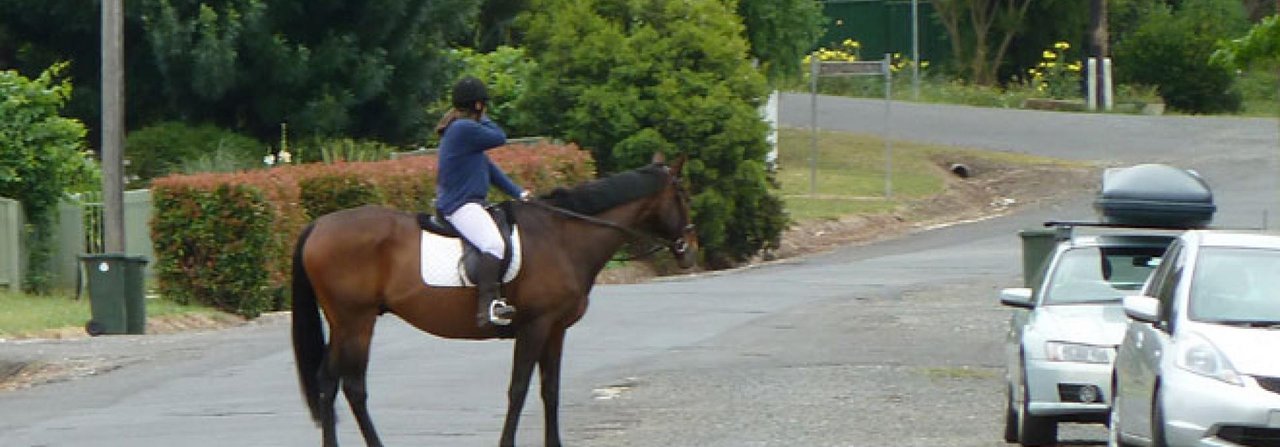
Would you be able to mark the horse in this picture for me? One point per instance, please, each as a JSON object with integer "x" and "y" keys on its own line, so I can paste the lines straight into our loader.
{"x": 359, "y": 263}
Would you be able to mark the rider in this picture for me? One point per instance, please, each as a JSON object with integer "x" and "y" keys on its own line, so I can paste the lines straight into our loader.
{"x": 463, "y": 177}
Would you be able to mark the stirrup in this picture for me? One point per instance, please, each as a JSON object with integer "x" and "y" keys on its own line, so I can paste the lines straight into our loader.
{"x": 500, "y": 312}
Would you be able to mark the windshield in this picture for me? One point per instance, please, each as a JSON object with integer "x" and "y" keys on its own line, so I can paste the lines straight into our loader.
{"x": 1236, "y": 286}
{"x": 1100, "y": 274}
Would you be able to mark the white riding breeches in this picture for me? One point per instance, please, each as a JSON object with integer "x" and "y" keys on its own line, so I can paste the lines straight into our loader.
{"x": 477, "y": 226}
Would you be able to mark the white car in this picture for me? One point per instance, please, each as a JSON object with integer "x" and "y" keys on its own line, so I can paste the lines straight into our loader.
{"x": 1200, "y": 361}
{"x": 1063, "y": 333}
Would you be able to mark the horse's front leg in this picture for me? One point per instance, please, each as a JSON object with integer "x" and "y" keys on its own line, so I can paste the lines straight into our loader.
{"x": 530, "y": 339}
{"x": 549, "y": 367}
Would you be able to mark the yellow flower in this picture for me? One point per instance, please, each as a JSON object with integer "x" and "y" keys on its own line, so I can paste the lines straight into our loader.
{"x": 1062, "y": 46}
{"x": 1049, "y": 55}
{"x": 1074, "y": 66}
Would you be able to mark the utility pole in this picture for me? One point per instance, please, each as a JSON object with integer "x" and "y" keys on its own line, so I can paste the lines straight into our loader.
{"x": 113, "y": 125}
{"x": 915, "y": 50}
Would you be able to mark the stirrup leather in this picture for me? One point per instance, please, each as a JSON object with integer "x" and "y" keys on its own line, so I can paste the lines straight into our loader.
{"x": 500, "y": 307}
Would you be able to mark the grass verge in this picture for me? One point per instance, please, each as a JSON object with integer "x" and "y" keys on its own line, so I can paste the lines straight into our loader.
{"x": 847, "y": 177}
{"x": 27, "y": 315}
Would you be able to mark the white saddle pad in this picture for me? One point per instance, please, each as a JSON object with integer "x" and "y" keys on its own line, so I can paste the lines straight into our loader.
{"x": 441, "y": 260}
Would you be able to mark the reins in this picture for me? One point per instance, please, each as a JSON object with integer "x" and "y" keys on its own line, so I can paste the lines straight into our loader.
{"x": 658, "y": 242}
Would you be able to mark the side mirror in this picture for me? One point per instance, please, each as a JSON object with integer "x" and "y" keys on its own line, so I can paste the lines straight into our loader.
{"x": 1017, "y": 297}
{"x": 1142, "y": 308}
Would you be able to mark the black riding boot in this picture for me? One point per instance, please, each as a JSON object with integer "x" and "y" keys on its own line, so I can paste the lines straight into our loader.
{"x": 491, "y": 308}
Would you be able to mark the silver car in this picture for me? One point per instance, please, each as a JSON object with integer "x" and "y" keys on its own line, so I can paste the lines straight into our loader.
{"x": 1063, "y": 333}
{"x": 1200, "y": 362}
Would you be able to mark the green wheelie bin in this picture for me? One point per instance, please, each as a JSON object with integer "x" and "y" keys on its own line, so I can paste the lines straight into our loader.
{"x": 116, "y": 293}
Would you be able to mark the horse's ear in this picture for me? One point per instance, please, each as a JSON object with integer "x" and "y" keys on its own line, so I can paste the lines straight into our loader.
{"x": 659, "y": 158}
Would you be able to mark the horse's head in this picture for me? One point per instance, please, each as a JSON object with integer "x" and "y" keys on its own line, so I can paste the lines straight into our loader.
{"x": 672, "y": 215}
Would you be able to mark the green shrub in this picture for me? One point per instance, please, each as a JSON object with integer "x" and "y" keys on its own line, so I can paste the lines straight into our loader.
{"x": 325, "y": 194}
{"x": 627, "y": 79}
{"x": 1171, "y": 50}
{"x": 164, "y": 148}
{"x": 211, "y": 240}
{"x": 346, "y": 149}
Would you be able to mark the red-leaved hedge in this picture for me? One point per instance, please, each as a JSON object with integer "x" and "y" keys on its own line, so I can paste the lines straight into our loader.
{"x": 226, "y": 239}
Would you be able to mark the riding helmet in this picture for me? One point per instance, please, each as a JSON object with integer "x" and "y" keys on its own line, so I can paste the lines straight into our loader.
{"x": 467, "y": 91}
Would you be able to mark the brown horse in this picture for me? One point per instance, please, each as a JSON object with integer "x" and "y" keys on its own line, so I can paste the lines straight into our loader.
{"x": 356, "y": 264}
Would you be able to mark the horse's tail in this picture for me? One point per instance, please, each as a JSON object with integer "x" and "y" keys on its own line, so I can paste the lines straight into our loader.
{"x": 308, "y": 334}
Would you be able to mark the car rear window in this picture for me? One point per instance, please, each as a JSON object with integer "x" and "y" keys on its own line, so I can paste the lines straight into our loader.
{"x": 1236, "y": 286}
{"x": 1100, "y": 274}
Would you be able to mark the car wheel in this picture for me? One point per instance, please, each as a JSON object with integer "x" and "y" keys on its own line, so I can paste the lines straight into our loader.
{"x": 1010, "y": 416}
{"x": 1034, "y": 430}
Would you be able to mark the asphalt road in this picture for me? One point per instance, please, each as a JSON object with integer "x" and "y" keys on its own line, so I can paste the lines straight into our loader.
{"x": 896, "y": 343}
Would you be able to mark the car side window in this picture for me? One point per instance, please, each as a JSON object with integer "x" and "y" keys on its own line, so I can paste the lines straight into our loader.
{"x": 1161, "y": 275}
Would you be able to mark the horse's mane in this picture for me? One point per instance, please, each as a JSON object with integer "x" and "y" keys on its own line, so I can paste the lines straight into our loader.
{"x": 597, "y": 196}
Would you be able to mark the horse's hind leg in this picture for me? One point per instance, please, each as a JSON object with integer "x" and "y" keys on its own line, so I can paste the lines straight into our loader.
{"x": 352, "y": 363}
{"x": 328, "y": 385}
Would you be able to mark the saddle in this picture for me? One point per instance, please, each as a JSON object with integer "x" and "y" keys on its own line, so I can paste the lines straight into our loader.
{"x": 502, "y": 216}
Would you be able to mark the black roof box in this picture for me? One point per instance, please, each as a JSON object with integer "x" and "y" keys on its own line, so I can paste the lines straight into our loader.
{"x": 1155, "y": 195}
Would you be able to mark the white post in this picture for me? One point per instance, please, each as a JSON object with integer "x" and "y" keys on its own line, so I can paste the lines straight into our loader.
{"x": 771, "y": 117}
{"x": 813, "y": 123}
{"x": 1106, "y": 84}
{"x": 1091, "y": 84}
{"x": 888, "y": 145}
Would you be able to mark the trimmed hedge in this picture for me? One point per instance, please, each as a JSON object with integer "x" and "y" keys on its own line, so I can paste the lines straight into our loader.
{"x": 226, "y": 240}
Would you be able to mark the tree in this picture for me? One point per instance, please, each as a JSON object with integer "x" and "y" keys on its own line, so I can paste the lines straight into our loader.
{"x": 1260, "y": 46}
{"x": 363, "y": 69}
{"x": 40, "y": 160}
{"x": 780, "y": 33}
{"x": 1171, "y": 50}
{"x": 1047, "y": 22}
{"x": 627, "y": 78}
{"x": 980, "y": 33}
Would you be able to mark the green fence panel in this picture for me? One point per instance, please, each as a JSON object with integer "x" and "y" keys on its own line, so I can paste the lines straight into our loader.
{"x": 11, "y": 253}
{"x": 71, "y": 243}
{"x": 137, "y": 227}
{"x": 884, "y": 26}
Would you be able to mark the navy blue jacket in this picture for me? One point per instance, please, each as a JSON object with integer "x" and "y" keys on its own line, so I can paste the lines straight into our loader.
{"x": 464, "y": 171}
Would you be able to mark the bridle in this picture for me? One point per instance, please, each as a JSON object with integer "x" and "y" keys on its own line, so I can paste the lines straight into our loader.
{"x": 678, "y": 246}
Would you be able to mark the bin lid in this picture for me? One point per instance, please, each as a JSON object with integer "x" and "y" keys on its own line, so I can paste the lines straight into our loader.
{"x": 113, "y": 257}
